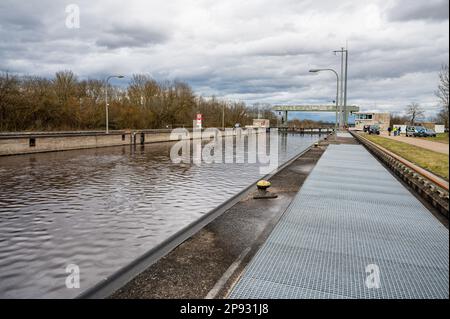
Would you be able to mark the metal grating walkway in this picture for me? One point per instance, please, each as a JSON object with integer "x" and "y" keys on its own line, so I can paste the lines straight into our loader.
{"x": 349, "y": 213}
{"x": 344, "y": 134}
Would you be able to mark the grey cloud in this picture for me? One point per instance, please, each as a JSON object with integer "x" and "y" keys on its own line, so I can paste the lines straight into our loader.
{"x": 407, "y": 10}
{"x": 17, "y": 16}
{"x": 249, "y": 51}
{"x": 131, "y": 36}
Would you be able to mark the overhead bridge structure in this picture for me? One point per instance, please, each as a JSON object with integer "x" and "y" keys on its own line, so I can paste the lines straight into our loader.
{"x": 309, "y": 108}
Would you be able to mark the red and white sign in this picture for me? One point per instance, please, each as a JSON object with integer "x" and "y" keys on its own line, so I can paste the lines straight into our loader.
{"x": 199, "y": 120}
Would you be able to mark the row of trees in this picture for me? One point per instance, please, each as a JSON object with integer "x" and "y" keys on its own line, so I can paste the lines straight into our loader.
{"x": 66, "y": 103}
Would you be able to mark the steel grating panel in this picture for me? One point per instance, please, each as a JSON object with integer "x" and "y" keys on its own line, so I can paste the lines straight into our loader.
{"x": 349, "y": 213}
{"x": 343, "y": 134}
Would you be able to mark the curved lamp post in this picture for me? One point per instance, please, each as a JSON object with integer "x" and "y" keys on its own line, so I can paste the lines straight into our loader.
{"x": 337, "y": 96}
{"x": 106, "y": 99}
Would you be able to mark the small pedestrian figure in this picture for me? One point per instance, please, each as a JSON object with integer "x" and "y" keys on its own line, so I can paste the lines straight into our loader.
{"x": 389, "y": 130}
{"x": 399, "y": 131}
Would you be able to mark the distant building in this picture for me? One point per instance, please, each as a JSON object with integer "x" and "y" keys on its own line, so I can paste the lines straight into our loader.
{"x": 259, "y": 123}
{"x": 383, "y": 120}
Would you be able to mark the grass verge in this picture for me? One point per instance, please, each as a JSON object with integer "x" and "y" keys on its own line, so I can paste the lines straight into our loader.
{"x": 441, "y": 138}
{"x": 435, "y": 162}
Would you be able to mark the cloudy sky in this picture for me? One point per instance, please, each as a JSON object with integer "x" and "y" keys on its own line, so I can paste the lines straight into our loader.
{"x": 248, "y": 50}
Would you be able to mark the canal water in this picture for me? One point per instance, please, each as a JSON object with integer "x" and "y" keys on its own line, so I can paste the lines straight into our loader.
{"x": 99, "y": 209}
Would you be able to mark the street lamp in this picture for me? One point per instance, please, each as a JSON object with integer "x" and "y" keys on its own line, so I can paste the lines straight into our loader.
{"x": 223, "y": 116}
{"x": 337, "y": 95}
{"x": 106, "y": 98}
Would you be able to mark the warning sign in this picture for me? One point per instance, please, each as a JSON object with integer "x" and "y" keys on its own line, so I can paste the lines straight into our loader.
{"x": 199, "y": 120}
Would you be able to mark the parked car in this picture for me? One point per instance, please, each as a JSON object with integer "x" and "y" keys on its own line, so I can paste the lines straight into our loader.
{"x": 431, "y": 132}
{"x": 414, "y": 130}
{"x": 374, "y": 129}
{"x": 426, "y": 132}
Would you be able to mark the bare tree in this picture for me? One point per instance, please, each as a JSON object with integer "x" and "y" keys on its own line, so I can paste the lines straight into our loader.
{"x": 10, "y": 99}
{"x": 65, "y": 85}
{"x": 399, "y": 119}
{"x": 443, "y": 93}
{"x": 414, "y": 112}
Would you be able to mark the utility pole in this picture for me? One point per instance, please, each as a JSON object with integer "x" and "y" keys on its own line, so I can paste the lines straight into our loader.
{"x": 343, "y": 118}
{"x": 223, "y": 116}
{"x": 341, "y": 103}
{"x": 106, "y": 100}
{"x": 345, "y": 89}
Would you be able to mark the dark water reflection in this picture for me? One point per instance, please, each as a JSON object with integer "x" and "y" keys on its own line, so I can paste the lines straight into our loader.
{"x": 102, "y": 208}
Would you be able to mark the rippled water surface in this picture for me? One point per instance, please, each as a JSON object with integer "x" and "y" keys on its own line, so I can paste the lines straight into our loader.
{"x": 102, "y": 208}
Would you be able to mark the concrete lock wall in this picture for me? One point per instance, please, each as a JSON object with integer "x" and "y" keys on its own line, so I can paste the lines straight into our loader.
{"x": 26, "y": 143}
